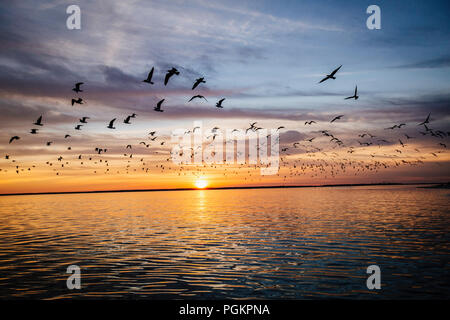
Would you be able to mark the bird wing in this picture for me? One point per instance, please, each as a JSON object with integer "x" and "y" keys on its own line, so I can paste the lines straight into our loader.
{"x": 150, "y": 74}
{"x": 112, "y": 122}
{"x": 336, "y": 70}
{"x": 356, "y": 90}
{"x": 166, "y": 79}
{"x": 327, "y": 77}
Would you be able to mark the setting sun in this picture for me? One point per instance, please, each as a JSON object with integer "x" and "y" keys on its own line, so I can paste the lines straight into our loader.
{"x": 200, "y": 184}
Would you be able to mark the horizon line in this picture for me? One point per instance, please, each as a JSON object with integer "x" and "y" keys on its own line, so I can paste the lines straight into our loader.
{"x": 226, "y": 188}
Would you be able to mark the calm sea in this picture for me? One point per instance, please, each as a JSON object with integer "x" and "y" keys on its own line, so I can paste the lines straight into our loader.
{"x": 272, "y": 243}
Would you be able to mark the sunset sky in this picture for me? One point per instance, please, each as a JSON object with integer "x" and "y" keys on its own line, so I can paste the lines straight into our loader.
{"x": 265, "y": 57}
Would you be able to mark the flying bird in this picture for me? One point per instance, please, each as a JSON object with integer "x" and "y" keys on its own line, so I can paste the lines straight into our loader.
{"x": 149, "y": 77}
{"x": 14, "y": 138}
{"x": 331, "y": 75}
{"x": 111, "y": 123}
{"x": 78, "y": 127}
{"x": 355, "y": 95}
{"x": 127, "y": 120}
{"x": 83, "y": 120}
{"x": 34, "y": 131}
{"x": 427, "y": 120}
{"x": 158, "y": 106}
{"x": 77, "y": 87}
{"x": 219, "y": 104}
{"x": 169, "y": 74}
{"x": 197, "y": 82}
{"x": 38, "y": 122}
{"x": 67, "y": 136}
{"x": 79, "y": 101}
{"x": 197, "y": 96}
{"x": 337, "y": 118}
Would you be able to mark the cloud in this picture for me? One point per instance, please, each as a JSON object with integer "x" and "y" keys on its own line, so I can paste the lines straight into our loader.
{"x": 441, "y": 62}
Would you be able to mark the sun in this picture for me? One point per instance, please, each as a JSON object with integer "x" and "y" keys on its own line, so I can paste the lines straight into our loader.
{"x": 200, "y": 184}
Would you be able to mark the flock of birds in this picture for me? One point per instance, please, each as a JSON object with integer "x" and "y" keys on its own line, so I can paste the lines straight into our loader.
{"x": 320, "y": 162}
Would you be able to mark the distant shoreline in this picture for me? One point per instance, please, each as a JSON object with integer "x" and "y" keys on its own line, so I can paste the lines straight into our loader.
{"x": 434, "y": 185}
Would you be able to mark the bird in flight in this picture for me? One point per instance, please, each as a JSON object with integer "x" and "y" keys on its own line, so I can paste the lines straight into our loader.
{"x": 309, "y": 122}
{"x": 427, "y": 120}
{"x": 127, "y": 120}
{"x": 337, "y": 118}
{"x": 49, "y": 143}
{"x": 331, "y": 75}
{"x": 197, "y": 82}
{"x": 14, "y": 138}
{"x": 67, "y": 136}
{"x": 197, "y": 96}
{"x": 355, "y": 96}
{"x": 83, "y": 120}
{"x": 149, "y": 77}
{"x": 78, "y": 127}
{"x": 111, "y": 123}
{"x": 169, "y": 74}
{"x": 158, "y": 106}
{"x": 79, "y": 101}
{"x": 219, "y": 104}
{"x": 77, "y": 87}
{"x": 38, "y": 122}
{"x": 34, "y": 131}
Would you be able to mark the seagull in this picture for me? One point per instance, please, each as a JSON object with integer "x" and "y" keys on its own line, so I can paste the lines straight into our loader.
{"x": 79, "y": 101}
{"x": 77, "y": 87}
{"x": 34, "y": 131}
{"x": 67, "y": 136}
{"x": 83, "y": 120}
{"x": 169, "y": 74}
{"x": 38, "y": 122}
{"x": 152, "y": 133}
{"x": 427, "y": 120}
{"x": 331, "y": 75}
{"x": 219, "y": 104}
{"x": 149, "y": 77}
{"x": 14, "y": 138}
{"x": 197, "y": 96}
{"x": 158, "y": 106}
{"x": 337, "y": 118}
{"x": 309, "y": 122}
{"x": 197, "y": 82}
{"x": 49, "y": 143}
{"x": 279, "y": 128}
{"x": 127, "y": 120}
{"x": 110, "y": 126}
{"x": 355, "y": 96}
{"x": 78, "y": 127}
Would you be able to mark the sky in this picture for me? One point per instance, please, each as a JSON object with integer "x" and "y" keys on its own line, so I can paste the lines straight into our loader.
{"x": 264, "y": 57}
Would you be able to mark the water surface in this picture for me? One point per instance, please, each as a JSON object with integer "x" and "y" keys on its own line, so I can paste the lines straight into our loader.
{"x": 254, "y": 243}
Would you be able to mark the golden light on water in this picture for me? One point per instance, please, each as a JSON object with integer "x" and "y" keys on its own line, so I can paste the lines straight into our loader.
{"x": 201, "y": 183}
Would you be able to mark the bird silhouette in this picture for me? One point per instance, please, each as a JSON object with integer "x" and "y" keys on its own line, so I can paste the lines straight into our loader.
{"x": 34, "y": 131}
{"x": 331, "y": 75}
{"x": 355, "y": 95}
{"x": 197, "y": 96}
{"x": 79, "y": 101}
{"x": 78, "y": 127}
{"x": 197, "y": 82}
{"x": 169, "y": 74}
{"x": 77, "y": 87}
{"x": 219, "y": 104}
{"x": 14, "y": 138}
{"x": 427, "y": 120}
{"x": 158, "y": 106}
{"x": 336, "y": 118}
{"x": 111, "y": 123}
{"x": 127, "y": 120}
{"x": 38, "y": 122}
{"x": 83, "y": 120}
{"x": 149, "y": 77}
